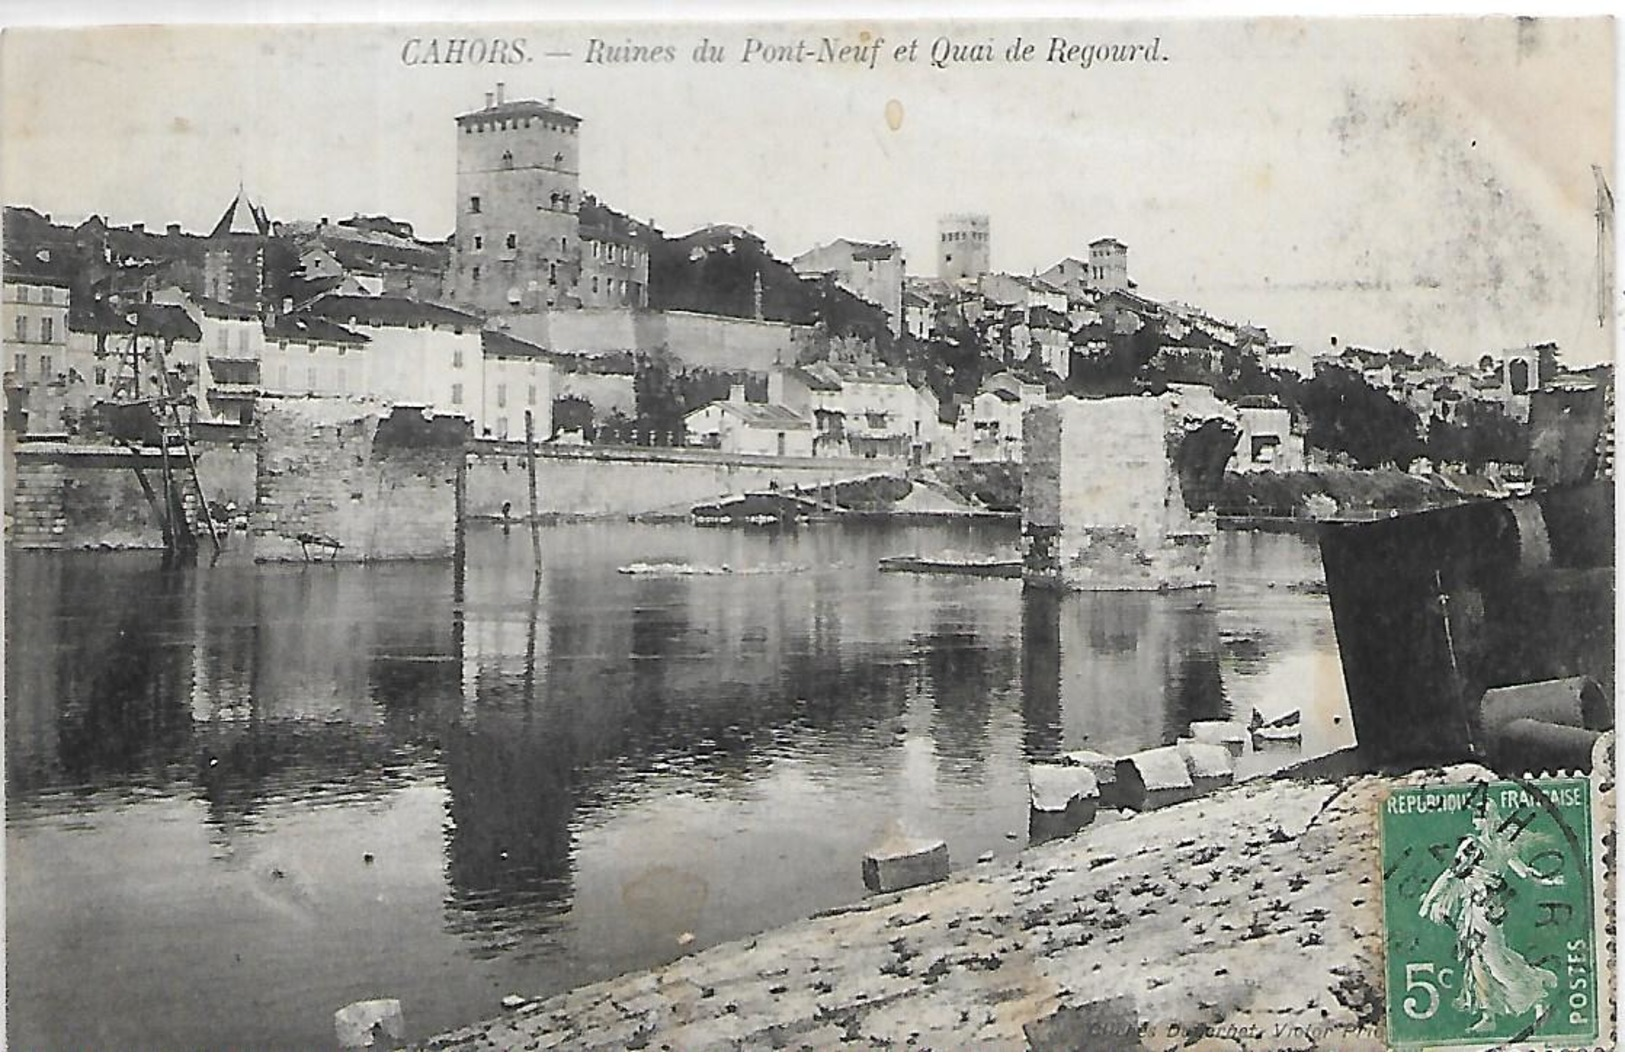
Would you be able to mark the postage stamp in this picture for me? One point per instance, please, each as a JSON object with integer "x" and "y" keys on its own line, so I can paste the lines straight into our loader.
{"x": 1490, "y": 914}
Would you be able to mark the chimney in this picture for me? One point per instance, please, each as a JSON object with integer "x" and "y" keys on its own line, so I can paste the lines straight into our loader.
{"x": 172, "y": 229}
{"x": 138, "y": 228}
{"x": 500, "y": 87}
{"x": 322, "y": 224}
{"x": 488, "y": 99}
{"x": 287, "y": 306}
{"x": 736, "y": 393}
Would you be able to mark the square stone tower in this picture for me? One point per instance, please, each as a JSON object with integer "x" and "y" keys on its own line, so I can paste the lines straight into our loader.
{"x": 516, "y": 248}
{"x": 964, "y": 247}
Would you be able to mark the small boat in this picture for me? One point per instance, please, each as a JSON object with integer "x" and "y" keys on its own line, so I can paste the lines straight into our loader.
{"x": 951, "y": 565}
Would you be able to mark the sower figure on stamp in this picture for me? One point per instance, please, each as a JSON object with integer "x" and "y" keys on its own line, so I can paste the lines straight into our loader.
{"x": 1471, "y": 895}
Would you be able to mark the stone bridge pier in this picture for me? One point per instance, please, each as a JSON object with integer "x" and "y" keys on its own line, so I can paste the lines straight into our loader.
{"x": 1118, "y": 492}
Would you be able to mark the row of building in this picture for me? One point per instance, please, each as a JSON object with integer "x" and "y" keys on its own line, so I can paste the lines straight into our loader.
{"x": 541, "y": 285}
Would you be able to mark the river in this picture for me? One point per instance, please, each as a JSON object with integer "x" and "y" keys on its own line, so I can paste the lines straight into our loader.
{"x": 240, "y": 797}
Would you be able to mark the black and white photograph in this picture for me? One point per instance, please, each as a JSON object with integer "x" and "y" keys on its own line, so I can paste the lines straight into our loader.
{"x": 851, "y": 534}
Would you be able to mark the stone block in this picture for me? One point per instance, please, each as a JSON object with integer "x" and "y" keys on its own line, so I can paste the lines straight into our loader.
{"x": 364, "y": 1024}
{"x": 1104, "y": 767}
{"x": 1155, "y": 778}
{"x": 1061, "y": 800}
{"x": 904, "y": 863}
{"x": 1211, "y": 766}
{"x": 1232, "y": 735}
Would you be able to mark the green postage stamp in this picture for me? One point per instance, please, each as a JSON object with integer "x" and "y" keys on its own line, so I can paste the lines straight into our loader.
{"x": 1490, "y": 915}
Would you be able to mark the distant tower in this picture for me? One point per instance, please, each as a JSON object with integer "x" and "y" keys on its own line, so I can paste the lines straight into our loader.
{"x": 963, "y": 249}
{"x": 234, "y": 258}
{"x": 1108, "y": 264}
{"x": 518, "y": 194}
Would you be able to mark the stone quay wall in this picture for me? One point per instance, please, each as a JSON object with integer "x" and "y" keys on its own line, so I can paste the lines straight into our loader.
{"x": 623, "y": 482}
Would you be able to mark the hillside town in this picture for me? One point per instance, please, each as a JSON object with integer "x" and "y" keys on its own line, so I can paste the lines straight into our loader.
{"x": 604, "y": 330}
{"x": 468, "y": 587}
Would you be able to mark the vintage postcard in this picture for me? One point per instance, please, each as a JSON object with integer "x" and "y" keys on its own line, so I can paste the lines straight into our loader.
{"x": 851, "y": 534}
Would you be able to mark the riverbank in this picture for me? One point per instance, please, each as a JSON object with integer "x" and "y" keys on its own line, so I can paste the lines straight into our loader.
{"x": 1248, "y": 919}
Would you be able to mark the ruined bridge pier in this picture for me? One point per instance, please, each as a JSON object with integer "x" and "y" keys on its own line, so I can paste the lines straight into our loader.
{"x": 1117, "y": 493}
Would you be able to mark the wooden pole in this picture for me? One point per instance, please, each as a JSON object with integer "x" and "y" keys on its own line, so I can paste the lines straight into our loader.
{"x": 530, "y": 472}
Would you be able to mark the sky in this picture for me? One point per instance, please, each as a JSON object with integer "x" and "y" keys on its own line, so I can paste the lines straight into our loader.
{"x": 1423, "y": 183}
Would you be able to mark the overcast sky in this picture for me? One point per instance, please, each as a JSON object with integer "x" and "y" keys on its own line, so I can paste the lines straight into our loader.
{"x": 1424, "y": 183}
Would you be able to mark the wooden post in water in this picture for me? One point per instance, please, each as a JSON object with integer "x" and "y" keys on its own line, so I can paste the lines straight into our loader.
{"x": 530, "y": 471}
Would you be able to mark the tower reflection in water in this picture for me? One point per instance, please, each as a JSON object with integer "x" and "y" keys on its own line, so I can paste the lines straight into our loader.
{"x": 1117, "y": 672}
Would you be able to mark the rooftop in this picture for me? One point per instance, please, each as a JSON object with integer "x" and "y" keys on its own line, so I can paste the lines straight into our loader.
{"x": 390, "y": 311}
{"x": 519, "y": 108}
{"x": 761, "y": 415}
{"x": 242, "y": 217}
{"x": 167, "y": 321}
{"x": 311, "y": 329}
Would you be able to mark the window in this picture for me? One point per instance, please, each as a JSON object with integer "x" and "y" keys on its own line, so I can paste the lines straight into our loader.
{"x": 22, "y": 328}
{"x": 512, "y": 241}
{"x": 502, "y": 395}
{"x": 45, "y": 366}
{"x": 101, "y": 375}
{"x": 558, "y": 159}
{"x": 564, "y": 244}
{"x": 552, "y": 274}
{"x": 507, "y": 159}
{"x": 502, "y": 428}
{"x": 479, "y": 242}
{"x": 595, "y": 284}
{"x": 474, "y": 204}
{"x": 224, "y": 338}
{"x": 456, "y": 357}
{"x": 22, "y": 365}
{"x": 457, "y": 394}
{"x": 47, "y": 328}
{"x": 474, "y": 273}
{"x": 242, "y": 340}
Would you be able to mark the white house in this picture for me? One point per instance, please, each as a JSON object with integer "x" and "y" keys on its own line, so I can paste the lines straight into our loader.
{"x": 737, "y": 426}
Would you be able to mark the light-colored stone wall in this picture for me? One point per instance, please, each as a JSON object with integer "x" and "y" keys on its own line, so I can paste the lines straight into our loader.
{"x": 697, "y": 339}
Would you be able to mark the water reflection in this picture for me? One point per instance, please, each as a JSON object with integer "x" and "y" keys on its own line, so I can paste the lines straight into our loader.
{"x": 575, "y": 767}
{"x": 1133, "y": 670}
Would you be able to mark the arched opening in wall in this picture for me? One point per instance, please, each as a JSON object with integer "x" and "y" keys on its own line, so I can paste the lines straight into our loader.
{"x": 507, "y": 159}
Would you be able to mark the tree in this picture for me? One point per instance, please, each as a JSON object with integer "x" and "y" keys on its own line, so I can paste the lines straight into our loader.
{"x": 1482, "y": 433}
{"x": 1348, "y": 414}
{"x": 659, "y": 401}
{"x": 572, "y": 413}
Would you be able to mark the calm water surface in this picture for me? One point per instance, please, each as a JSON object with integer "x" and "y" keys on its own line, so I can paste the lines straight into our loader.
{"x": 239, "y": 798}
